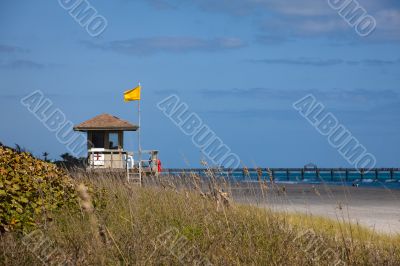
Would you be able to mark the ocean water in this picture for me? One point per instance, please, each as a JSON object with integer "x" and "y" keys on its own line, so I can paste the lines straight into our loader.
{"x": 383, "y": 180}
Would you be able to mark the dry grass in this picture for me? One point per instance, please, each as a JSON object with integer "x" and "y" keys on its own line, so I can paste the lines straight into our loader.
{"x": 133, "y": 226}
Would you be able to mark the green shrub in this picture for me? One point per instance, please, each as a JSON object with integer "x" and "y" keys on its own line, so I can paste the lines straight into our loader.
{"x": 30, "y": 189}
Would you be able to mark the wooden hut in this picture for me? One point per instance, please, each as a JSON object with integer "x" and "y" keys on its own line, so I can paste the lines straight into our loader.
{"x": 105, "y": 135}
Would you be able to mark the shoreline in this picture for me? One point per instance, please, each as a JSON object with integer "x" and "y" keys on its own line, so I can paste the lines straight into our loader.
{"x": 377, "y": 209}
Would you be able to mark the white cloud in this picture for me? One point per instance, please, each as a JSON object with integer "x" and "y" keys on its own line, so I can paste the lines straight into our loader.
{"x": 313, "y": 18}
{"x": 388, "y": 22}
{"x": 168, "y": 44}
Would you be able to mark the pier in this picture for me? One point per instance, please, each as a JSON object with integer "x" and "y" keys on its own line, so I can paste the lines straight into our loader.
{"x": 297, "y": 174}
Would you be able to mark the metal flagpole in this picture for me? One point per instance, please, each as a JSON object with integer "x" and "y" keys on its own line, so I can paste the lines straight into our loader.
{"x": 139, "y": 144}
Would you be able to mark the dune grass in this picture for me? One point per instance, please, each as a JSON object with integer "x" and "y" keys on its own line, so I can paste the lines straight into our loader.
{"x": 160, "y": 224}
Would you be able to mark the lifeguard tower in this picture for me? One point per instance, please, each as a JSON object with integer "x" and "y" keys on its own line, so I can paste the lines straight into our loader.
{"x": 105, "y": 138}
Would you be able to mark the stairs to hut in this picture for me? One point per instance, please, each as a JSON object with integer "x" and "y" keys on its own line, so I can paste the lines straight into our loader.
{"x": 134, "y": 177}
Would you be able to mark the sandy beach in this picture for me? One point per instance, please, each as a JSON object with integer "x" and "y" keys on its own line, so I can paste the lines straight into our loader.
{"x": 375, "y": 208}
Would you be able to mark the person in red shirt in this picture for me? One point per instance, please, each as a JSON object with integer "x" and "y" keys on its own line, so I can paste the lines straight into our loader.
{"x": 159, "y": 168}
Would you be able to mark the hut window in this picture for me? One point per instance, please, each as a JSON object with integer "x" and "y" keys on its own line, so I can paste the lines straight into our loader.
{"x": 98, "y": 139}
{"x": 113, "y": 141}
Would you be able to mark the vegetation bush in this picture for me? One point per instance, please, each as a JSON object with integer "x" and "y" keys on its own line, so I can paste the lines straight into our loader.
{"x": 30, "y": 190}
{"x": 162, "y": 225}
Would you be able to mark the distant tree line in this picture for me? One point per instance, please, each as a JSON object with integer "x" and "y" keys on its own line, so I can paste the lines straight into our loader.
{"x": 67, "y": 160}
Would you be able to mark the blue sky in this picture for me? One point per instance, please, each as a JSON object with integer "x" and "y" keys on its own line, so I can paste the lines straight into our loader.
{"x": 238, "y": 64}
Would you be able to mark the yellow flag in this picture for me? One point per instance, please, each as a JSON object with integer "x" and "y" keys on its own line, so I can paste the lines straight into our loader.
{"x": 132, "y": 95}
